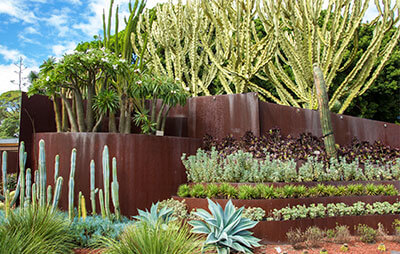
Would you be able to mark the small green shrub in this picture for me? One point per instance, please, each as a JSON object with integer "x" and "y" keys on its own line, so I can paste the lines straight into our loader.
{"x": 314, "y": 236}
{"x": 12, "y": 180}
{"x": 184, "y": 191}
{"x": 341, "y": 234}
{"x": 198, "y": 191}
{"x": 179, "y": 208}
{"x": 145, "y": 238}
{"x": 366, "y": 233}
{"x": 254, "y": 213}
{"x": 86, "y": 231}
{"x": 296, "y": 238}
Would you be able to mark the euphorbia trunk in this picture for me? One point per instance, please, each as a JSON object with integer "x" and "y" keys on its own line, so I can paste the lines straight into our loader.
{"x": 80, "y": 114}
{"x": 89, "y": 105}
{"x": 57, "y": 114}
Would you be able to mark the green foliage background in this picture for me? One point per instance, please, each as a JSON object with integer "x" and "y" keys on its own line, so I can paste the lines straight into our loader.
{"x": 9, "y": 114}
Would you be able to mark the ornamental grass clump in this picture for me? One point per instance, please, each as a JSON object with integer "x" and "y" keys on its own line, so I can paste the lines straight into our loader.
{"x": 149, "y": 238}
{"x": 226, "y": 230}
{"x": 35, "y": 230}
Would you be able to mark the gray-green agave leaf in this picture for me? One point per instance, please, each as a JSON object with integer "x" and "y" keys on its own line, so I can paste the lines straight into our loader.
{"x": 155, "y": 215}
{"x": 226, "y": 229}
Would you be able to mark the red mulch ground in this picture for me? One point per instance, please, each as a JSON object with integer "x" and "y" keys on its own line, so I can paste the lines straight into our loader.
{"x": 354, "y": 248}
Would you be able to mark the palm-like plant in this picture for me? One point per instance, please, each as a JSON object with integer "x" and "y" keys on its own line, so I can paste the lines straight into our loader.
{"x": 226, "y": 229}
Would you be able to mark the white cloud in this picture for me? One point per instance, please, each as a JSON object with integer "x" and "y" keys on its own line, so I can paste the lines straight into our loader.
{"x": 61, "y": 49}
{"x": 10, "y": 54}
{"x": 60, "y": 22}
{"x": 17, "y": 10}
{"x": 8, "y": 73}
{"x": 76, "y": 2}
{"x": 31, "y": 30}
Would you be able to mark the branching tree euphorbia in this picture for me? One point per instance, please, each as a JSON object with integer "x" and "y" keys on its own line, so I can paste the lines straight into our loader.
{"x": 308, "y": 34}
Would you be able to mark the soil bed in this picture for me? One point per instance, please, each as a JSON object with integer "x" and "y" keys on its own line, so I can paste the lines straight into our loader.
{"x": 355, "y": 247}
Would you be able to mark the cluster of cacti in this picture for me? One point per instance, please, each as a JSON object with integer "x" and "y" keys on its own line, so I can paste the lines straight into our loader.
{"x": 104, "y": 200}
{"x": 30, "y": 193}
{"x": 36, "y": 194}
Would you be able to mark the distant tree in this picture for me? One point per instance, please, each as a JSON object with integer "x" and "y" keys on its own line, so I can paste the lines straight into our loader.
{"x": 10, "y": 104}
{"x": 21, "y": 68}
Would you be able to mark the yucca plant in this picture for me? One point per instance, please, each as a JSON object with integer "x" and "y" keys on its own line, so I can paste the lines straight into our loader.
{"x": 36, "y": 230}
{"x": 226, "y": 229}
{"x": 155, "y": 215}
{"x": 147, "y": 238}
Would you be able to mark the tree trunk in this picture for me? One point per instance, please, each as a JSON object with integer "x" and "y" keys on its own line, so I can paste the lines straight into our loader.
{"x": 122, "y": 114}
{"x": 64, "y": 115}
{"x": 98, "y": 123}
{"x": 72, "y": 119}
{"x": 57, "y": 114}
{"x": 159, "y": 117}
{"x": 165, "y": 119}
{"x": 128, "y": 120}
{"x": 324, "y": 113}
{"x": 80, "y": 113}
{"x": 89, "y": 104}
{"x": 111, "y": 123}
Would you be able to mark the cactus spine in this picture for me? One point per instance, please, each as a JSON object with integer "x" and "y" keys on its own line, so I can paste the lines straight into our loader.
{"x": 92, "y": 187}
{"x": 115, "y": 190}
{"x": 57, "y": 193}
{"x": 106, "y": 180}
{"x": 101, "y": 200}
{"x": 324, "y": 113}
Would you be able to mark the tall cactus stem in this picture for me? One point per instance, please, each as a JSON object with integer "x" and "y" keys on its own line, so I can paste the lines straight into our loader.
{"x": 7, "y": 203}
{"x": 22, "y": 173}
{"x": 57, "y": 193}
{"x": 71, "y": 199}
{"x": 49, "y": 195}
{"x": 79, "y": 205}
{"x": 106, "y": 180}
{"x": 56, "y": 168}
{"x": 28, "y": 187}
{"x": 324, "y": 113}
{"x": 4, "y": 172}
{"x": 92, "y": 187}
{"x": 42, "y": 174}
{"x": 101, "y": 201}
{"x": 34, "y": 195}
{"x": 115, "y": 190}
{"x": 83, "y": 207}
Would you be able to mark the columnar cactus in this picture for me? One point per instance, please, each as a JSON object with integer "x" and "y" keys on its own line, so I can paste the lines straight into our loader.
{"x": 34, "y": 195}
{"x": 71, "y": 185}
{"x": 83, "y": 207}
{"x": 79, "y": 204}
{"x": 57, "y": 193}
{"x": 22, "y": 161}
{"x": 4, "y": 172}
{"x": 49, "y": 195}
{"x": 56, "y": 168}
{"x": 93, "y": 190}
{"x": 42, "y": 174}
{"x": 28, "y": 187}
{"x": 106, "y": 180}
{"x": 115, "y": 190}
{"x": 101, "y": 200}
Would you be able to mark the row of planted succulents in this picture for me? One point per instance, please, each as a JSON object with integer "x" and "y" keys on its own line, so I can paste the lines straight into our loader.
{"x": 272, "y": 158}
{"x": 30, "y": 221}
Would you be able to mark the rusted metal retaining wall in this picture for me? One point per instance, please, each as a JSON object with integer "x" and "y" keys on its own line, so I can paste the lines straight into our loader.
{"x": 295, "y": 121}
{"x": 149, "y": 167}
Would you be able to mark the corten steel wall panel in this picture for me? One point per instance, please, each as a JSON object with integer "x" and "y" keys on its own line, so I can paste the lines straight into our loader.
{"x": 222, "y": 115}
{"x": 12, "y": 162}
{"x": 37, "y": 115}
{"x": 294, "y": 121}
{"x": 149, "y": 167}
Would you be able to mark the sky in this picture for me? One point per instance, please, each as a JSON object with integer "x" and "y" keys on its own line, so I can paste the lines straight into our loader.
{"x": 38, "y": 29}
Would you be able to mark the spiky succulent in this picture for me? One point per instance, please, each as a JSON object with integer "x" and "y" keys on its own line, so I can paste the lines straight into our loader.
{"x": 226, "y": 229}
{"x": 155, "y": 215}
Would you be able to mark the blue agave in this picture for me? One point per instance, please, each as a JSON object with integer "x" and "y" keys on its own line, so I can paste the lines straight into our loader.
{"x": 226, "y": 229}
{"x": 155, "y": 215}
